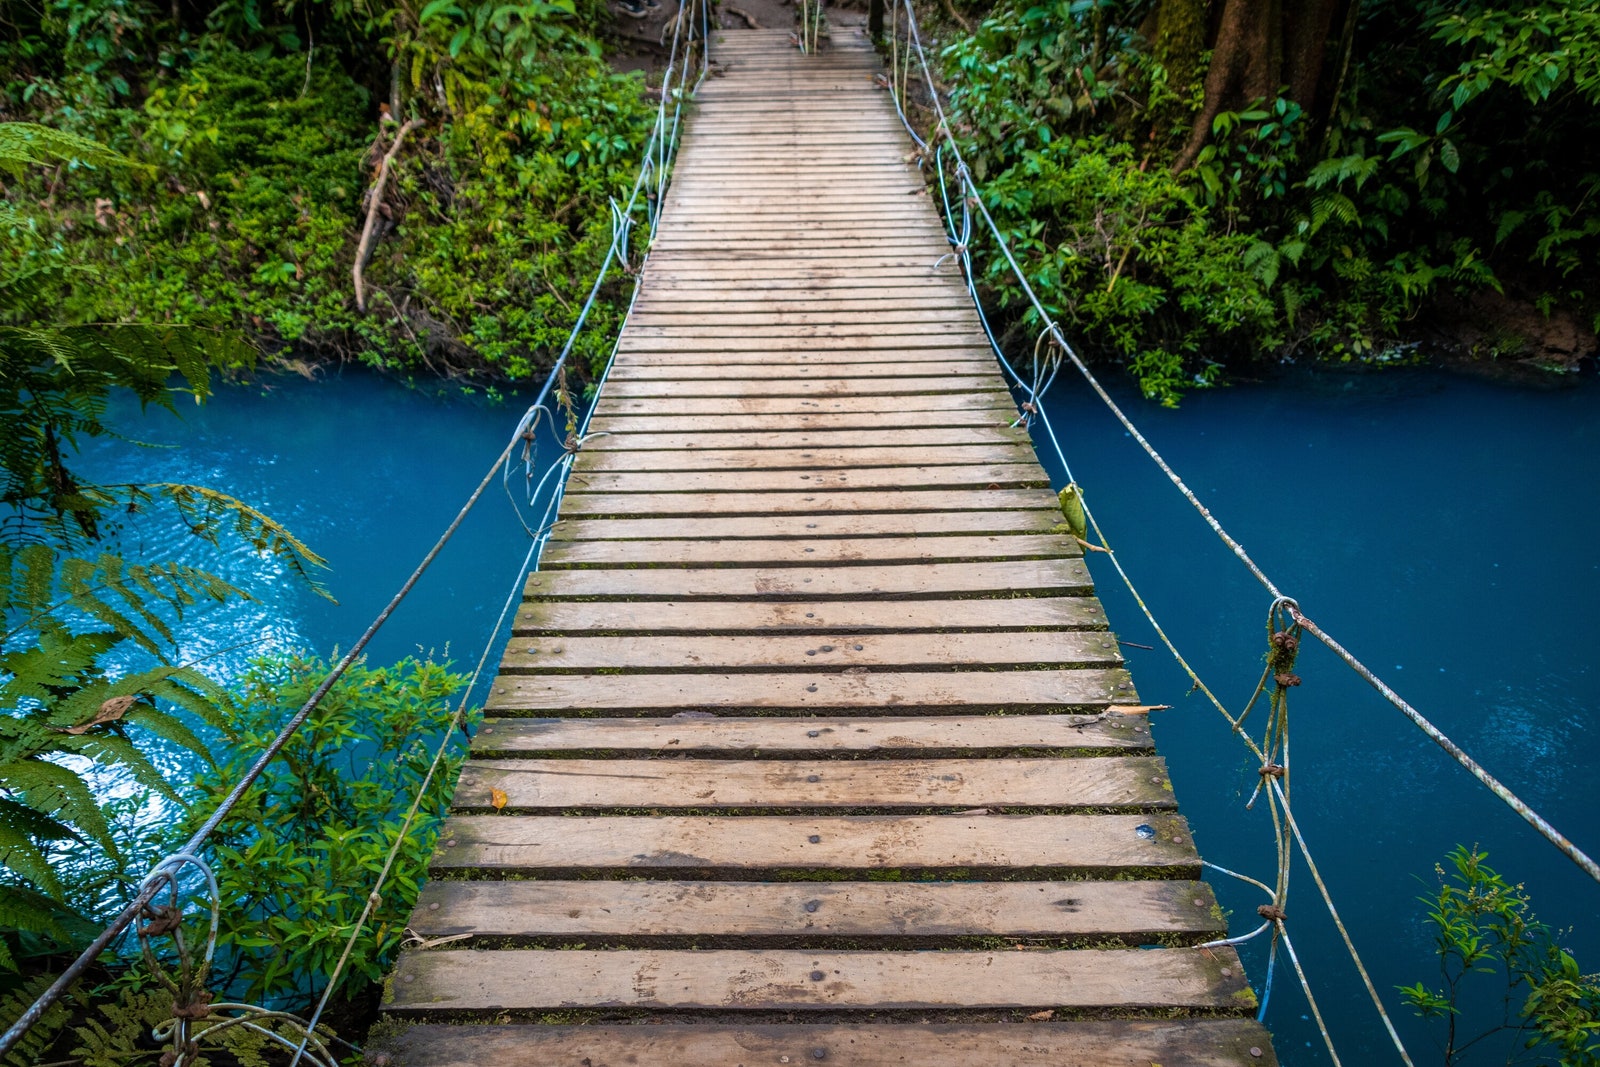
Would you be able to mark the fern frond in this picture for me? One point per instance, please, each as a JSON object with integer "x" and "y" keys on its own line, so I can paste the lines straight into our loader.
{"x": 207, "y": 511}
{"x": 192, "y": 692}
{"x": 38, "y": 577}
{"x": 59, "y": 662}
{"x": 107, "y": 748}
{"x": 58, "y": 793}
{"x": 21, "y": 828}
{"x": 38, "y": 1040}
{"x": 83, "y": 580}
{"x": 25, "y": 144}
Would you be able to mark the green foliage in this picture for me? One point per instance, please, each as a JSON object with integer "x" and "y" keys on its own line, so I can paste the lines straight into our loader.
{"x": 13, "y": 1002}
{"x": 117, "y": 1031}
{"x": 257, "y": 151}
{"x": 1484, "y": 925}
{"x": 72, "y": 728}
{"x": 1131, "y": 259}
{"x": 1030, "y": 75}
{"x": 1538, "y": 49}
{"x": 1446, "y": 169}
{"x": 297, "y": 858}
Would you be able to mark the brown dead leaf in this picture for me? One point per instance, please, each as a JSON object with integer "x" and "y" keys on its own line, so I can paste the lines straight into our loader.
{"x": 110, "y": 711}
{"x": 1137, "y": 709}
{"x": 498, "y": 798}
{"x": 1042, "y": 1016}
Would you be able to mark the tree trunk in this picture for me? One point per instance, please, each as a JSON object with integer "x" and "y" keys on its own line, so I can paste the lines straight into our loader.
{"x": 1306, "y": 27}
{"x": 1261, "y": 47}
{"x": 1177, "y": 38}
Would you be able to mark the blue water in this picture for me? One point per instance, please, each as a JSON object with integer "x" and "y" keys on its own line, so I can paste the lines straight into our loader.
{"x": 367, "y": 473}
{"x": 1440, "y": 527}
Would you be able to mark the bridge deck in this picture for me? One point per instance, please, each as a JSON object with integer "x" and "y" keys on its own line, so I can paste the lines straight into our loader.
{"x": 807, "y": 686}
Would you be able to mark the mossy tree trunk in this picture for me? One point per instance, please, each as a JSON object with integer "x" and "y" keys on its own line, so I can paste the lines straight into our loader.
{"x": 1258, "y": 48}
{"x": 1177, "y": 37}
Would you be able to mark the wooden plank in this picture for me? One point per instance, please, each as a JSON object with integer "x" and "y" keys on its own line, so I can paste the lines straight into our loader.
{"x": 889, "y": 692}
{"x": 889, "y": 415}
{"x": 767, "y": 323}
{"x": 708, "y": 224}
{"x": 838, "y": 269}
{"x": 776, "y": 213}
{"x": 657, "y": 652}
{"x": 744, "y": 527}
{"x": 632, "y": 369}
{"x": 656, "y": 316}
{"x": 888, "y": 287}
{"x": 1103, "y": 1043}
{"x": 798, "y": 459}
{"x": 795, "y": 339}
{"x": 786, "y": 980}
{"x": 817, "y": 502}
{"x": 731, "y": 737}
{"x": 809, "y": 362}
{"x": 910, "y": 238}
{"x": 976, "y": 477}
{"x": 904, "y": 431}
{"x": 644, "y": 912}
{"x": 696, "y": 846}
{"x": 613, "y": 617}
{"x": 796, "y": 387}
{"x": 1136, "y": 783}
{"x": 1009, "y": 578}
{"x": 769, "y": 552}
{"x": 685, "y": 303}
{"x": 998, "y": 408}
{"x": 867, "y": 355}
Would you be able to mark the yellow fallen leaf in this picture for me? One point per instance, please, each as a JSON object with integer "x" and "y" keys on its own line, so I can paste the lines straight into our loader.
{"x": 1042, "y": 1016}
{"x": 498, "y": 798}
{"x": 1136, "y": 709}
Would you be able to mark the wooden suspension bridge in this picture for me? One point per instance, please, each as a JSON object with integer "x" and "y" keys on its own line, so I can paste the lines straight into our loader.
{"x": 803, "y": 749}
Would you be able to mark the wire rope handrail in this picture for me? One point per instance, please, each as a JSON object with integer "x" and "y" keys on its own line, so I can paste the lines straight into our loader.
{"x": 656, "y": 159}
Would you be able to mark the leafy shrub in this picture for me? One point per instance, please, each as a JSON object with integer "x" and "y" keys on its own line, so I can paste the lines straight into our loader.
{"x": 1485, "y": 926}
{"x": 1131, "y": 260}
{"x": 297, "y": 858}
{"x": 254, "y": 158}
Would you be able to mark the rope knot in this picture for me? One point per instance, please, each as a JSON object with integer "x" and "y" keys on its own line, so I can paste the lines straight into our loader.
{"x": 1286, "y": 680}
{"x": 196, "y": 1009}
{"x": 1271, "y": 770}
{"x": 162, "y": 919}
{"x": 1272, "y": 913}
{"x": 1285, "y": 647}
